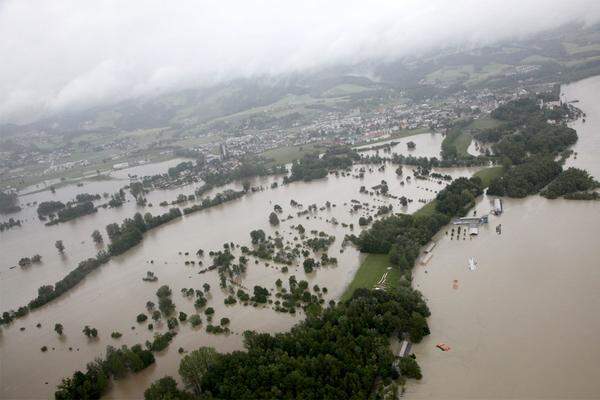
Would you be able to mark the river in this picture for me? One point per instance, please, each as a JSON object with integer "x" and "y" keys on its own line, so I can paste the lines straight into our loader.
{"x": 524, "y": 324}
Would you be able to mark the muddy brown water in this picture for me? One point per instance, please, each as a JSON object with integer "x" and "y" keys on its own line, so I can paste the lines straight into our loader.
{"x": 524, "y": 324}
{"x": 111, "y": 297}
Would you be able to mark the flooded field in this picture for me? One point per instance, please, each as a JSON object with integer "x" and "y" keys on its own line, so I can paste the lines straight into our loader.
{"x": 514, "y": 324}
{"x": 524, "y": 323}
{"x": 110, "y": 298}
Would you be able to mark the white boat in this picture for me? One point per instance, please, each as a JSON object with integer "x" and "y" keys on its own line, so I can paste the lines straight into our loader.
{"x": 472, "y": 264}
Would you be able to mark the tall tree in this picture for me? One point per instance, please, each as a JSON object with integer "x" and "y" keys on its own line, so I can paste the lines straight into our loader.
{"x": 194, "y": 365}
{"x": 97, "y": 236}
{"x": 60, "y": 246}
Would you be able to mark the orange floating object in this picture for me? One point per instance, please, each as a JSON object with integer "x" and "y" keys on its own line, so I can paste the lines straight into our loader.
{"x": 443, "y": 346}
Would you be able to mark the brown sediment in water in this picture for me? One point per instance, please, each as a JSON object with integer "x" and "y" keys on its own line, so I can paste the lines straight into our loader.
{"x": 110, "y": 298}
{"x": 523, "y": 324}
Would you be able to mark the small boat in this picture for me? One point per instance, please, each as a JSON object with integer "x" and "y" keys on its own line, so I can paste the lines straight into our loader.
{"x": 472, "y": 264}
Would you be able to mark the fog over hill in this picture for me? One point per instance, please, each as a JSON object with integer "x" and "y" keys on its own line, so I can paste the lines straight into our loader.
{"x": 68, "y": 55}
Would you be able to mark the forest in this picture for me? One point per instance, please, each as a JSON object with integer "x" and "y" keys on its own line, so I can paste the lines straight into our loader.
{"x": 343, "y": 353}
{"x": 528, "y": 143}
{"x": 9, "y": 203}
{"x": 311, "y": 166}
{"x": 94, "y": 382}
{"x": 529, "y": 130}
{"x": 570, "y": 181}
{"x": 72, "y": 212}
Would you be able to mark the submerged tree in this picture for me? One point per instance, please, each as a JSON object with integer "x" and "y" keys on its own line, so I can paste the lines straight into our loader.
{"x": 97, "y": 237}
{"x": 164, "y": 388}
{"x": 273, "y": 219}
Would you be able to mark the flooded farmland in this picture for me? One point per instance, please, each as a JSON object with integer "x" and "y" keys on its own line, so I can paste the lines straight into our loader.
{"x": 510, "y": 324}
{"x": 524, "y": 323}
{"x": 110, "y": 298}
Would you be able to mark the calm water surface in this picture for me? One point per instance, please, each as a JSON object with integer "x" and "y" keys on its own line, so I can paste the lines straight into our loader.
{"x": 111, "y": 297}
{"x": 512, "y": 324}
{"x": 525, "y": 323}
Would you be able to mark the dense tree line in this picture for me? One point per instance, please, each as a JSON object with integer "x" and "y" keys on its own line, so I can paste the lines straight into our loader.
{"x": 459, "y": 196}
{"x": 525, "y": 179}
{"x": 49, "y": 207}
{"x": 11, "y": 223}
{"x": 74, "y": 211}
{"x": 188, "y": 172}
{"x": 401, "y": 237}
{"x": 122, "y": 237}
{"x": 179, "y": 168}
{"x": 247, "y": 169}
{"x": 528, "y": 143}
{"x": 9, "y": 203}
{"x": 426, "y": 162}
{"x": 48, "y": 293}
{"x": 85, "y": 197}
{"x": 311, "y": 166}
{"x": 570, "y": 181}
{"x": 93, "y": 383}
{"x": 526, "y": 130}
{"x": 340, "y": 354}
{"x": 131, "y": 231}
{"x": 219, "y": 198}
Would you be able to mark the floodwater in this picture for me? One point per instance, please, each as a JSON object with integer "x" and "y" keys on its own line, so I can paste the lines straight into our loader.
{"x": 426, "y": 145}
{"x": 523, "y": 324}
{"x": 111, "y": 297}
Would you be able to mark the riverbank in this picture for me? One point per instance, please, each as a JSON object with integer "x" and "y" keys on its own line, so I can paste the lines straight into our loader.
{"x": 374, "y": 266}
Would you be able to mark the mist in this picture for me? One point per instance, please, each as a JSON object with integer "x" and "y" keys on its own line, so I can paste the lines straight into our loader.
{"x": 67, "y": 54}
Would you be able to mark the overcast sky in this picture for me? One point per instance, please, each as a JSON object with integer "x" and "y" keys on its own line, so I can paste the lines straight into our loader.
{"x": 66, "y": 54}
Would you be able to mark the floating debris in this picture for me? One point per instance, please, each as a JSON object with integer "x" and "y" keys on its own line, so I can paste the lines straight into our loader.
{"x": 472, "y": 264}
{"x": 443, "y": 346}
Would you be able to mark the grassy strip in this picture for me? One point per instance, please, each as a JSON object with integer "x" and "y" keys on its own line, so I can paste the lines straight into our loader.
{"x": 375, "y": 265}
{"x": 486, "y": 122}
{"x": 402, "y": 134}
{"x": 462, "y": 145}
{"x": 427, "y": 209}
{"x": 488, "y": 174}
{"x": 287, "y": 154}
{"x": 455, "y": 144}
{"x": 370, "y": 272}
